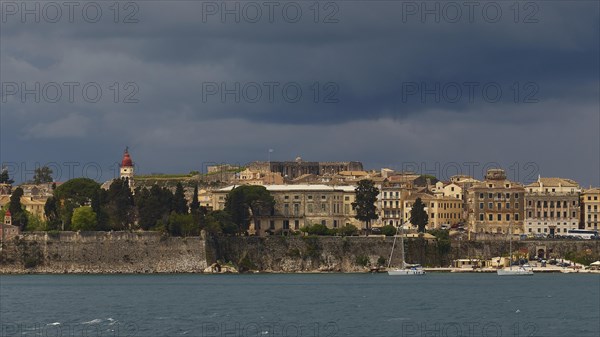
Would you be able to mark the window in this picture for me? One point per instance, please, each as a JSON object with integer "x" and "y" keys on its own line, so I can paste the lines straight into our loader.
{"x": 309, "y": 208}
{"x": 499, "y": 217}
{"x": 335, "y": 223}
{"x": 481, "y": 217}
{"x": 516, "y": 205}
{"x": 296, "y": 209}
{"x": 310, "y": 197}
{"x": 324, "y": 222}
{"x": 490, "y": 205}
{"x": 507, "y": 195}
{"x": 516, "y": 195}
{"x": 490, "y": 195}
{"x": 529, "y": 214}
{"x": 433, "y": 215}
{"x": 323, "y": 207}
{"x": 346, "y": 209}
{"x": 323, "y": 197}
{"x": 286, "y": 197}
{"x": 491, "y": 217}
{"x": 480, "y": 195}
{"x": 296, "y": 197}
{"x": 481, "y": 205}
{"x": 499, "y": 195}
{"x": 286, "y": 209}
{"x": 516, "y": 216}
{"x": 272, "y": 224}
{"x": 508, "y": 205}
{"x": 499, "y": 206}
{"x": 286, "y": 224}
{"x": 507, "y": 217}
{"x": 347, "y": 198}
{"x": 296, "y": 224}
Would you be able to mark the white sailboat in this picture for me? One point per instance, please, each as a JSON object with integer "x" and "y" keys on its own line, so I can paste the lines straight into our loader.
{"x": 523, "y": 270}
{"x": 405, "y": 269}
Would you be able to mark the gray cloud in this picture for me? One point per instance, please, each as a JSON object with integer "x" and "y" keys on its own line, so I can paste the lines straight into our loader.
{"x": 370, "y": 55}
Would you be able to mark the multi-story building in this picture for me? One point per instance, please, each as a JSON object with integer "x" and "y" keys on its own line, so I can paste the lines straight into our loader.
{"x": 391, "y": 204}
{"x": 590, "y": 208}
{"x": 298, "y": 167}
{"x": 496, "y": 205}
{"x": 297, "y": 206}
{"x": 441, "y": 210}
{"x": 552, "y": 206}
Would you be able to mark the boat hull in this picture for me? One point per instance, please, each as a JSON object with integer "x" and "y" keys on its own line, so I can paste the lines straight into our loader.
{"x": 406, "y": 272}
{"x": 515, "y": 272}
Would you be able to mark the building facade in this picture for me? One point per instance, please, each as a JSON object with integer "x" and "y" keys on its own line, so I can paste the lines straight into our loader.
{"x": 297, "y": 206}
{"x": 590, "y": 208}
{"x": 441, "y": 210}
{"x": 552, "y": 206}
{"x": 294, "y": 169}
{"x": 496, "y": 205}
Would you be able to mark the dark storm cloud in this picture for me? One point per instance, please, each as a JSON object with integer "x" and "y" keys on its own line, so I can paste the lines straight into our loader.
{"x": 356, "y": 70}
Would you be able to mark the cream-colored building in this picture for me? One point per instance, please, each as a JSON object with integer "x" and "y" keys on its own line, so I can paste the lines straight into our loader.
{"x": 250, "y": 177}
{"x": 552, "y": 206}
{"x": 297, "y": 206}
{"x": 590, "y": 208}
{"x": 441, "y": 210}
{"x": 31, "y": 205}
{"x": 496, "y": 204}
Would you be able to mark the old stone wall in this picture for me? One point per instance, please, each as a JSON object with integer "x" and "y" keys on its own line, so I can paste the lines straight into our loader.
{"x": 102, "y": 252}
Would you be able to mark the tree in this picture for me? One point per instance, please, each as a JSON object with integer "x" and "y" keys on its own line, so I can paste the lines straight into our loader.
{"x": 153, "y": 206}
{"x": 72, "y": 194}
{"x": 179, "y": 202}
{"x": 195, "y": 204}
{"x": 318, "y": 229}
{"x": 245, "y": 203}
{"x": 388, "y": 230}
{"x": 348, "y": 230}
{"x": 364, "y": 204}
{"x": 84, "y": 219}
{"x": 218, "y": 222}
{"x": 120, "y": 205}
{"x": 51, "y": 212}
{"x": 19, "y": 218}
{"x": 182, "y": 225}
{"x": 4, "y": 178}
{"x": 42, "y": 175}
{"x": 99, "y": 204}
{"x": 418, "y": 216}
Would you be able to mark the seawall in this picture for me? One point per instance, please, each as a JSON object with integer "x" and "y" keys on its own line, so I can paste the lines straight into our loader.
{"x": 153, "y": 252}
{"x": 102, "y": 252}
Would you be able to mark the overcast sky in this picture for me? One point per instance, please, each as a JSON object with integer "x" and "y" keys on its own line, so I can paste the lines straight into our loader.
{"x": 381, "y": 82}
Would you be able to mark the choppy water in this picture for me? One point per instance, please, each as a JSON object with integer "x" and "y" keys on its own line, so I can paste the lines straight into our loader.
{"x": 300, "y": 305}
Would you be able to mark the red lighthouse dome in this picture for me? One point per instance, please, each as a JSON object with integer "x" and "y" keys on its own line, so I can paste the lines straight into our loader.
{"x": 126, "y": 162}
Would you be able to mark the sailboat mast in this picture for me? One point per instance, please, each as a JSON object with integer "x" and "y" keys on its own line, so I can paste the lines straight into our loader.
{"x": 510, "y": 244}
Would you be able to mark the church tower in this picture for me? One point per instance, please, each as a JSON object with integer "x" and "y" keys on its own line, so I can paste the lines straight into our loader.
{"x": 7, "y": 218}
{"x": 127, "y": 169}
